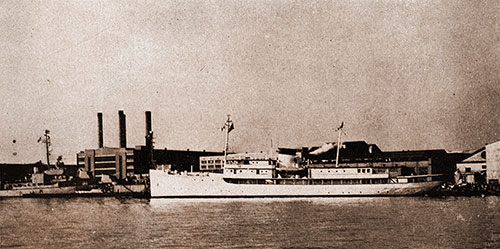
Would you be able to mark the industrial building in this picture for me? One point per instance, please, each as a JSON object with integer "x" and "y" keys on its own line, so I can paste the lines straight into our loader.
{"x": 482, "y": 167}
{"x": 124, "y": 163}
{"x": 493, "y": 163}
{"x": 472, "y": 169}
{"x": 116, "y": 162}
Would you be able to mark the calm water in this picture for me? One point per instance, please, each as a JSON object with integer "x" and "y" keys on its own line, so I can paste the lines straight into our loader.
{"x": 403, "y": 222}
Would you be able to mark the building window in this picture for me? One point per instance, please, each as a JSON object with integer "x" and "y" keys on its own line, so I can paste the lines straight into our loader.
{"x": 467, "y": 170}
{"x": 484, "y": 167}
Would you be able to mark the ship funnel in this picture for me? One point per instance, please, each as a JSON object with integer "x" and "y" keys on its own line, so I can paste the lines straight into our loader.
{"x": 99, "y": 130}
{"x": 123, "y": 129}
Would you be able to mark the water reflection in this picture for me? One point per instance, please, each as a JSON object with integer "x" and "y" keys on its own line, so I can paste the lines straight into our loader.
{"x": 181, "y": 202}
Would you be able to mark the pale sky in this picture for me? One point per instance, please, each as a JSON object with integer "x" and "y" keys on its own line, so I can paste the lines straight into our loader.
{"x": 400, "y": 74}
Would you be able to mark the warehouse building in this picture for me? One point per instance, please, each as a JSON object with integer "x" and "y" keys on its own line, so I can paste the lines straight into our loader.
{"x": 482, "y": 167}
{"x": 493, "y": 163}
{"x": 472, "y": 169}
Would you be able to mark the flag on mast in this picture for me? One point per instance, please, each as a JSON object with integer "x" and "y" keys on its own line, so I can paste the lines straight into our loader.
{"x": 341, "y": 126}
{"x": 231, "y": 127}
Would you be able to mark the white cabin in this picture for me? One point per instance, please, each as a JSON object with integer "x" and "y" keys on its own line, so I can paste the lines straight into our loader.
{"x": 250, "y": 166}
{"x": 344, "y": 173}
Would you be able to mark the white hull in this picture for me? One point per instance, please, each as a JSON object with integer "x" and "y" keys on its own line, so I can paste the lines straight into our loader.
{"x": 164, "y": 185}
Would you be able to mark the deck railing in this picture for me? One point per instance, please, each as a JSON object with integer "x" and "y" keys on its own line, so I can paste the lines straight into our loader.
{"x": 308, "y": 181}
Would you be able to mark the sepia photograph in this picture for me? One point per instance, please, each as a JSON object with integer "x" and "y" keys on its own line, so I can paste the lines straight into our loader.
{"x": 250, "y": 124}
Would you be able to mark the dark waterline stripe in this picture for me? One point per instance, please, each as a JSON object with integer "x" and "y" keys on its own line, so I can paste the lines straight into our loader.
{"x": 275, "y": 196}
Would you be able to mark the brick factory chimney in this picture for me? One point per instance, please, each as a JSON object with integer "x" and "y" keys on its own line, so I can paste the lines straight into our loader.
{"x": 148, "y": 122}
{"x": 123, "y": 129}
{"x": 99, "y": 129}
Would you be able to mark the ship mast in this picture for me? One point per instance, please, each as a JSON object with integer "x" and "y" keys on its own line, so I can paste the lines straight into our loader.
{"x": 339, "y": 130}
{"x": 228, "y": 126}
{"x": 46, "y": 141}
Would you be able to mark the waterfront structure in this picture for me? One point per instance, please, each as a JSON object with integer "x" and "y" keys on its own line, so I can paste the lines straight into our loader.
{"x": 493, "y": 163}
{"x": 482, "y": 167}
{"x": 472, "y": 169}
